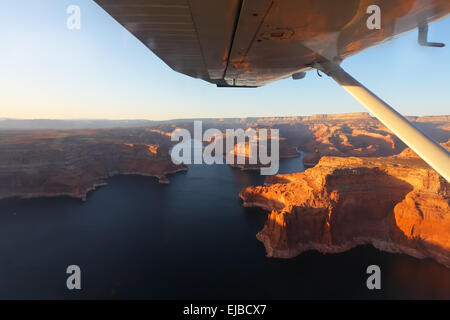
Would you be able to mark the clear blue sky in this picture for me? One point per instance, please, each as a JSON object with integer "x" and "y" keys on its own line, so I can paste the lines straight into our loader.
{"x": 102, "y": 71}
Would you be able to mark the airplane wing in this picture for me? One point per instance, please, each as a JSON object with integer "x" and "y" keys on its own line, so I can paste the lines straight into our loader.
{"x": 249, "y": 43}
{"x": 255, "y": 42}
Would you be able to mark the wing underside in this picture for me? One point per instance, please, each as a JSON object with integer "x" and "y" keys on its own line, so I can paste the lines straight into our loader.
{"x": 254, "y": 42}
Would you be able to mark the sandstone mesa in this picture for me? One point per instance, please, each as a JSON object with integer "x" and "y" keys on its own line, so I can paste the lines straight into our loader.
{"x": 397, "y": 204}
{"x": 73, "y": 162}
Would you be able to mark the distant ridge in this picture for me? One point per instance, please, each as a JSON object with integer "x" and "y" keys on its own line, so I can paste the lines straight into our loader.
{"x": 73, "y": 124}
{"x": 55, "y": 124}
{"x": 338, "y": 116}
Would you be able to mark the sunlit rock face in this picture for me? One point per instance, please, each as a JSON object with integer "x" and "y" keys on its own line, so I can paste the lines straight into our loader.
{"x": 73, "y": 162}
{"x": 398, "y": 204}
{"x": 358, "y": 135}
{"x": 341, "y": 135}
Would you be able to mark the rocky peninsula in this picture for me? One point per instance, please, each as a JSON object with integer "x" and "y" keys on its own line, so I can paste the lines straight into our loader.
{"x": 398, "y": 204}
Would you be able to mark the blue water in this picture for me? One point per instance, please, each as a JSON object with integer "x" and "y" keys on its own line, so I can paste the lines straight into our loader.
{"x": 135, "y": 238}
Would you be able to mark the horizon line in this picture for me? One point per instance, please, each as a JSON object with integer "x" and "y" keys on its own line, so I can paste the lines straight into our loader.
{"x": 208, "y": 118}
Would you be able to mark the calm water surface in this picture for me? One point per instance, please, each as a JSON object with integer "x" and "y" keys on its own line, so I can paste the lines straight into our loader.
{"x": 136, "y": 238}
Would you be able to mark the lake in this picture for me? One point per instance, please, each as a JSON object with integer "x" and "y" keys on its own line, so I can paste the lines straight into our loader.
{"x": 192, "y": 239}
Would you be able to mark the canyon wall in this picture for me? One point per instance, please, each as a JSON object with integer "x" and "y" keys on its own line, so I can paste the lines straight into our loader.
{"x": 397, "y": 204}
{"x": 73, "y": 162}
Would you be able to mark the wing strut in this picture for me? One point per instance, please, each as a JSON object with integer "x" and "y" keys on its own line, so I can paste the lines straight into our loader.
{"x": 428, "y": 149}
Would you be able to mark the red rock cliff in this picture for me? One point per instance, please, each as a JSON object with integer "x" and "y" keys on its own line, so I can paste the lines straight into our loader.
{"x": 49, "y": 163}
{"x": 398, "y": 204}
